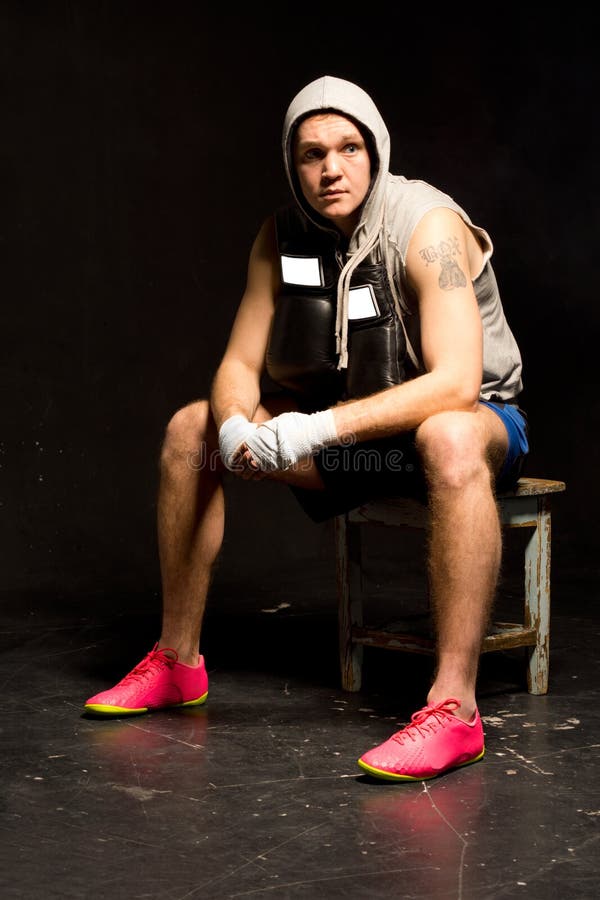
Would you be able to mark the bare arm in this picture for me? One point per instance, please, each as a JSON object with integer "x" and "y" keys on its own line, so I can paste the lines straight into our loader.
{"x": 236, "y": 385}
{"x": 441, "y": 256}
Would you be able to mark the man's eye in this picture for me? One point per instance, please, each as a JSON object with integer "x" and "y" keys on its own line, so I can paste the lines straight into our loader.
{"x": 312, "y": 154}
{"x": 350, "y": 148}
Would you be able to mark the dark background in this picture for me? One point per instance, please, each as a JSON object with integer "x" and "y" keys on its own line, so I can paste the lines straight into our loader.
{"x": 140, "y": 153}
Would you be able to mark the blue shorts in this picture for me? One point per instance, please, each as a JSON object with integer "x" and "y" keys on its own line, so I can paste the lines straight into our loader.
{"x": 515, "y": 422}
{"x": 354, "y": 474}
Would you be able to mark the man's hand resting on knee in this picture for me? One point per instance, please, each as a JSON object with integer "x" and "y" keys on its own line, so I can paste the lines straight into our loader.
{"x": 283, "y": 441}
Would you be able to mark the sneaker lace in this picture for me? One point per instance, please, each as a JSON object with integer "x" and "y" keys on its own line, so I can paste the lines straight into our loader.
{"x": 424, "y": 721}
{"x": 152, "y": 662}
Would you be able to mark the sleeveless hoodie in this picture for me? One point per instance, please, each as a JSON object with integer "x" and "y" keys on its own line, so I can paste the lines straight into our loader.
{"x": 391, "y": 211}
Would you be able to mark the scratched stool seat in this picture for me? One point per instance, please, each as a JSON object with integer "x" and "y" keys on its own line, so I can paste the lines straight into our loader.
{"x": 527, "y": 506}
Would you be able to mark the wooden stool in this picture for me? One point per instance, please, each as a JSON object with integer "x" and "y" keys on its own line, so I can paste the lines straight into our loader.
{"x": 528, "y": 506}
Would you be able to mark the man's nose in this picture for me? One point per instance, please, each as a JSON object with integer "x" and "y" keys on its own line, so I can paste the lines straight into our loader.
{"x": 331, "y": 166}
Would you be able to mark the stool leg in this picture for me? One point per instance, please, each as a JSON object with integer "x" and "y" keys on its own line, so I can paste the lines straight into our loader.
{"x": 537, "y": 598}
{"x": 347, "y": 552}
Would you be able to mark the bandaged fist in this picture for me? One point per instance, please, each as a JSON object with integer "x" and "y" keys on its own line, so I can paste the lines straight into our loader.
{"x": 232, "y": 434}
{"x": 283, "y": 441}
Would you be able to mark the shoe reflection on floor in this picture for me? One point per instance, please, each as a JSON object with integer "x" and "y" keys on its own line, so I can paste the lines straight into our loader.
{"x": 429, "y": 824}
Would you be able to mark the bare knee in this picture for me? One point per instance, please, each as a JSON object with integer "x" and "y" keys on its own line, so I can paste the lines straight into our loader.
{"x": 190, "y": 436}
{"x": 453, "y": 450}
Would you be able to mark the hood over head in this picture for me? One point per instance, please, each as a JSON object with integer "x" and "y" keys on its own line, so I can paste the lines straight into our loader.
{"x": 337, "y": 95}
{"x": 332, "y": 94}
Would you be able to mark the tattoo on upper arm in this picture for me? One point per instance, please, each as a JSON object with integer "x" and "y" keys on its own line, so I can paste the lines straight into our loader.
{"x": 452, "y": 275}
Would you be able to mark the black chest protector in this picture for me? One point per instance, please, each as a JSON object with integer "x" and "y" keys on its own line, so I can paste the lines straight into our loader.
{"x": 301, "y": 354}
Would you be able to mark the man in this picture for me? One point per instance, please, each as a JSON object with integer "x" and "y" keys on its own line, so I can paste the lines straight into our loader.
{"x": 372, "y": 302}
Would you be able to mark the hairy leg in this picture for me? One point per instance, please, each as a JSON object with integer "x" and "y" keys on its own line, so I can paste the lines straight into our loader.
{"x": 461, "y": 452}
{"x": 190, "y": 523}
{"x": 191, "y": 514}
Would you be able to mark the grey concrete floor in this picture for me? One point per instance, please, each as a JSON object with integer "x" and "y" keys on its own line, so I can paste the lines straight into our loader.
{"x": 257, "y": 794}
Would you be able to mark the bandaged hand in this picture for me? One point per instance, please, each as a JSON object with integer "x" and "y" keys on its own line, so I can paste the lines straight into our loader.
{"x": 232, "y": 434}
{"x": 281, "y": 442}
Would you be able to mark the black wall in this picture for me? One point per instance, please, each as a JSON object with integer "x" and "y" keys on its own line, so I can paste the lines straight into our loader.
{"x": 140, "y": 153}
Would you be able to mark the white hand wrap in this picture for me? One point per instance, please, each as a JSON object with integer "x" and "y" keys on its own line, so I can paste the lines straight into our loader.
{"x": 283, "y": 441}
{"x": 232, "y": 434}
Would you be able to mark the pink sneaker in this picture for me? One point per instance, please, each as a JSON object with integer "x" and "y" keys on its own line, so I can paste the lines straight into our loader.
{"x": 434, "y": 742}
{"x": 158, "y": 681}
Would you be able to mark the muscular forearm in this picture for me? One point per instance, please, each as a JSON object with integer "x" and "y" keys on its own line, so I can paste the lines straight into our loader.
{"x": 401, "y": 408}
{"x": 235, "y": 391}
{"x": 281, "y": 442}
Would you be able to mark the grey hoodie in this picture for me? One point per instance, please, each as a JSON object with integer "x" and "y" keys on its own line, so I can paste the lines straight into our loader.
{"x": 393, "y": 208}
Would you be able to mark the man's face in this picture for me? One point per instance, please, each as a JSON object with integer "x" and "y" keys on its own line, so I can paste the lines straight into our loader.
{"x": 333, "y": 167}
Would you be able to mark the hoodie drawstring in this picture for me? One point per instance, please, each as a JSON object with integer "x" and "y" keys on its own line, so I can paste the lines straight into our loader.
{"x": 400, "y": 308}
{"x": 343, "y": 292}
